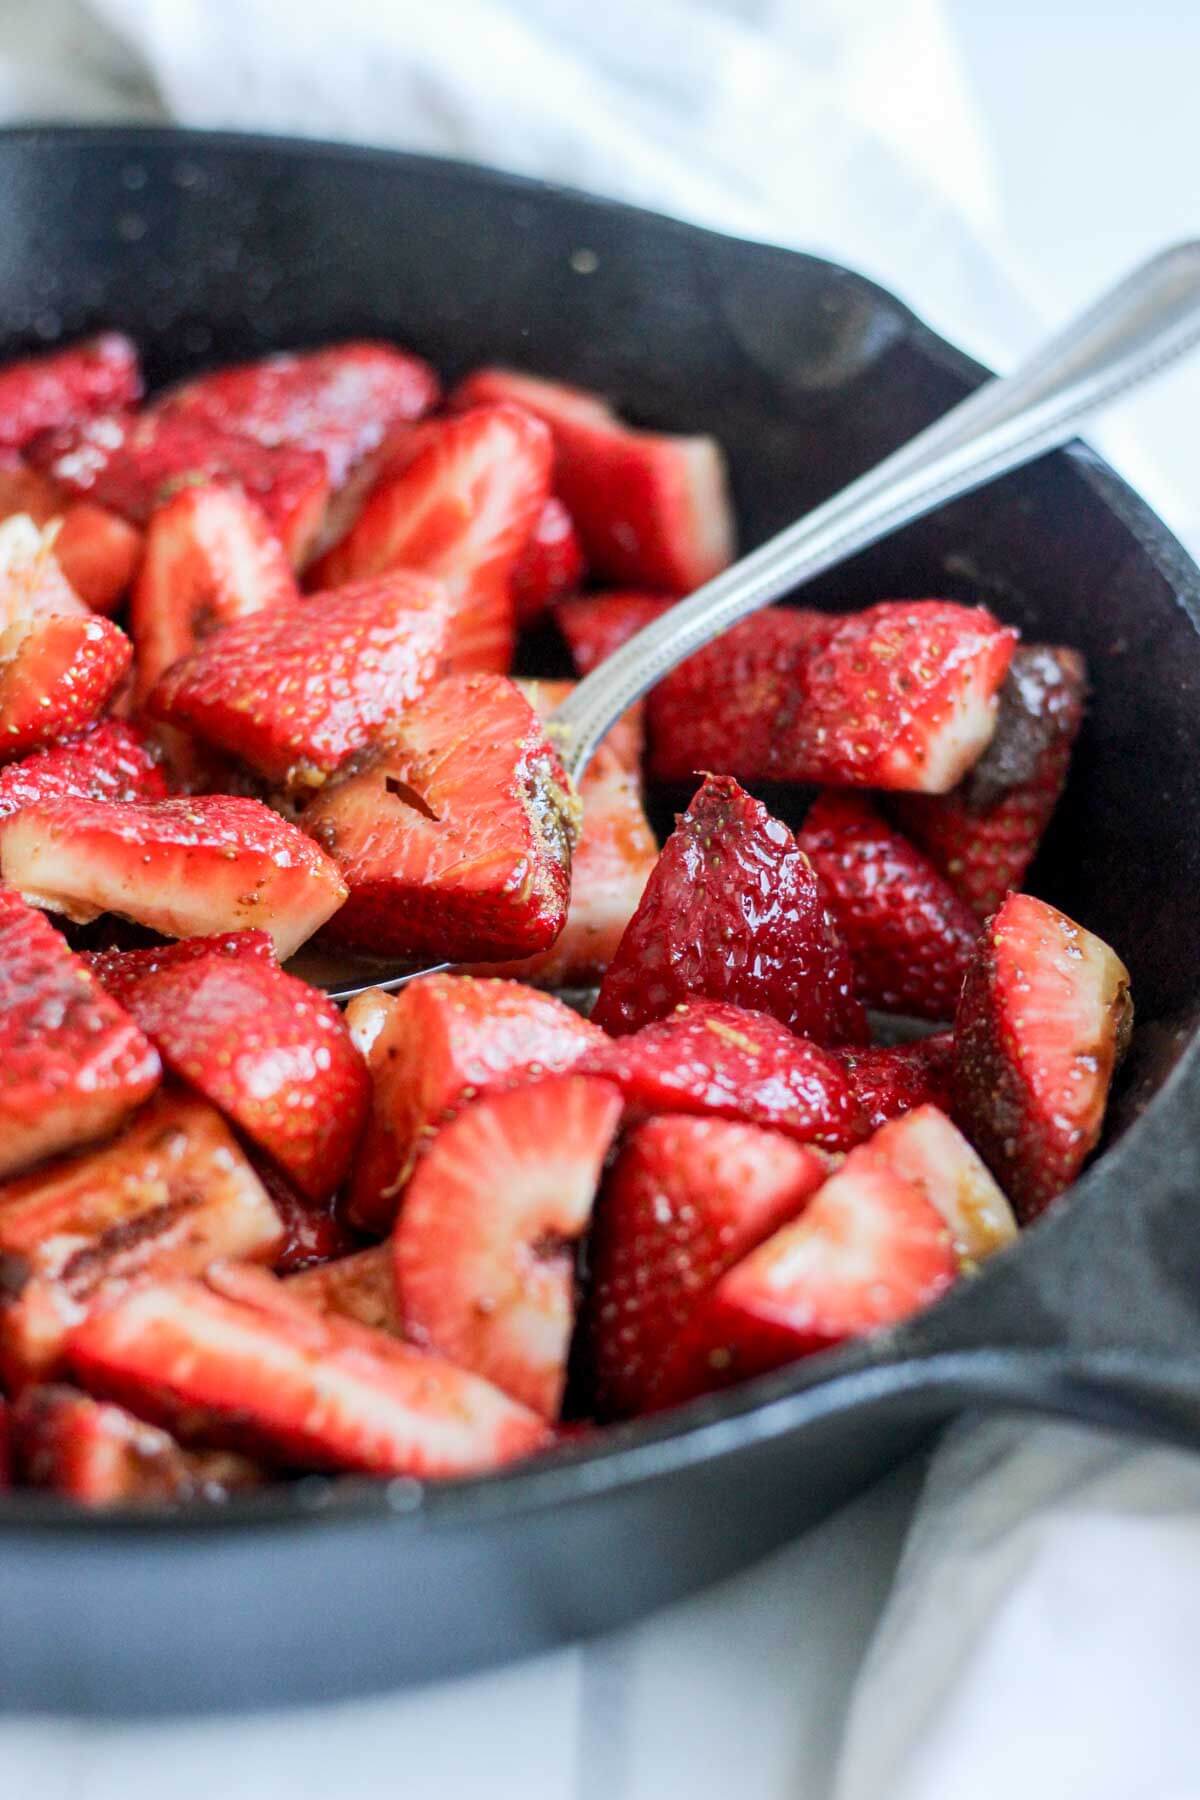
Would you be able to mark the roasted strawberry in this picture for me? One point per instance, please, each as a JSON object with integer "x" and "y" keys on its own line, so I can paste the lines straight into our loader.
{"x": 315, "y": 1232}
{"x": 984, "y": 834}
{"x": 122, "y": 971}
{"x": 550, "y": 565}
{"x": 242, "y": 1360}
{"x": 686, "y": 1199}
{"x": 925, "y": 1148}
{"x": 97, "y": 551}
{"x": 1044, "y": 1017}
{"x": 594, "y": 625}
{"x": 890, "y": 1079}
{"x": 453, "y": 831}
{"x": 733, "y": 911}
{"x": 294, "y": 690}
{"x": 443, "y": 1041}
{"x": 909, "y": 935}
{"x": 98, "y": 1454}
{"x": 111, "y": 761}
{"x": 462, "y": 510}
{"x": 134, "y": 462}
{"x": 626, "y": 739}
{"x": 57, "y": 674}
{"x": 650, "y": 509}
{"x": 185, "y": 868}
{"x": 171, "y": 1193}
{"x": 360, "y": 1287}
{"x": 485, "y": 1241}
{"x": 64, "y": 387}
{"x": 74, "y": 1064}
{"x": 32, "y": 584}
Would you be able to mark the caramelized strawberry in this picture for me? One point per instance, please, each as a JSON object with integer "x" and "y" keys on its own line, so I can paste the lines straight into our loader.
{"x": 315, "y": 1232}
{"x": 550, "y": 565}
{"x": 360, "y": 1287}
{"x": 122, "y": 971}
{"x": 890, "y": 1079}
{"x": 97, "y": 551}
{"x": 111, "y": 761}
{"x": 64, "y": 387}
{"x": 57, "y": 674}
{"x": 594, "y": 625}
{"x": 923, "y": 1147}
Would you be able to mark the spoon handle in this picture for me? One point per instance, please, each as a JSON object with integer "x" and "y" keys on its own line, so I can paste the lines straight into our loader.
{"x": 1142, "y": 325}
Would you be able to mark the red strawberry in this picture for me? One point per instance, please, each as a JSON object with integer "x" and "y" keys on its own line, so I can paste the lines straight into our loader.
{"x": 706, "y": 1057}
{"x": 443, "y": 1041}
{"x": 651, "y": 509}
{"x": 294, "y": 690}
{"x": 360, "y": 1287}
{"x": 64, "y": 387}
{"x": 314, "y": 1231}
{"x": 909, "y": 935}
{"x": 687, "y": 1198}
{"x": 462, "y": 510}
{"x": 595, "y": 625}
{"x": 485, "y": 1241}
{"x": 890, "y": 1079}
{"x": 100, "y": 1455}
{"x": 122, "y": 971}
{"x": 134, "y": 462}
{"x": 111, "y": 761}
{"x": 170, "y": 1194}
{"x": 74, "y": 1064}
{"x": 184, "y": 868}
{"x": 1044, "y": 1017}
{"x": 733, "y": 911}
{"x": 57, "y": 674}
{"x": 241, "y": 1359}
{"x": 550, "y": 565}
{"x": 97, "y": 552}
{"x": 453, "y": 831}
{"x": 32, "y": 584}
{"x": 984, "y": 834}
{"x": 923, "y": 1147}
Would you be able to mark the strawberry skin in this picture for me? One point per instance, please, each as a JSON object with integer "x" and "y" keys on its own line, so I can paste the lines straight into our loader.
{"x": 550, "y": 565}
{"x": 594, "y": 625}
{"x": 925, "y": 1148}
{"x": 57, "y": 674}
{"x": 294, "y": 690}
{"x": 111, "y": 761}
{"x": 72, "y": 1063}
{"x": 984, "y": 834}
{"x": 121, "y": 972}
{"x": 686, "y": 1199}
{"x": 734, "y": 912}
{"x": 64, "y": 387}
{"x": 485, "y": 1242}
{"x": 361, "y": 1287}
{"x": 437, "y": 1044}
{"x": 651, "y": 509}
{"x": 454, "y": 830}
{"x": 890, "y": 1079}
{"x": 707, "y": 1057}
{"x": 1044, "y": 1017}
{"x": 240, "y": 1359}
{"x": 909, "y": 935}
{"x": 184, "y": 868}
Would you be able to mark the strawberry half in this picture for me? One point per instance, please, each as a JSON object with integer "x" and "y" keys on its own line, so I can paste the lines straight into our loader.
{"x": 550, "y": 565}
{"x": 64, "y": 387}
{"x": 74, "y": 1064}
{"x": 485, "y": 1241}
{"x": 185, "y": 868}
{"x": 57, "y": 674}
{"x": 294, "y": 690}
{"x": 463, "y": 510}
{"x": 240, "y": 1359}
{"x": 925, "y": 1148}
{"x": 111, "y": 761}
{"x": 434, "y": 1046}
{"x": 685, "y": 1200}
{"x": 1044, "y": 1017}
{"x": 651, "y": 509}
{"x": 171, "y": 1193}
{"x": 594, "y": 625}
{"x": 707, "y": 1057}
{"x": 454, "y": 831}
{"x": 984, "y": 834}
{"x": 890, "y": 1079}
{"x": 97, "y": 551}
{"x": 360, "y": 1287}
{"x": 733, "y": 911}
{"x": 909, "y": 935}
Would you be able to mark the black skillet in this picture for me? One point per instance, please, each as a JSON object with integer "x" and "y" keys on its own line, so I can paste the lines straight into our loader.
{"x": 209, "y": 248}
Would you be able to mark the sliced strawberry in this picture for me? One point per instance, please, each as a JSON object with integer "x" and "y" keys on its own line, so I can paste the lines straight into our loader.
{"x": 171, "y": 1193}
{"x": 550, "y": 565}
{"x": 707, "y": 1057}
{"x": 984, "y": 834}
{"x": 360, "y": 1287}
{"x": 444, "y": 1040}
{"x": 923, "y": 1147}
{"x": 122, "y": 971}
{"x": 890, "y": 1079}
{"x": 32, "y": 585}
{"x": 454, "y": 830}
{"x": 909, "y": 935}
{"x": 57, "y": 674}
{"x": 462, "y": 510}
{"x": 64, "y": 387}
{"x": 74, "y": 1064}
{"x": 686, "y": 1199}
{"x": 651, "y": 509}
{"x": 1044, "y": 1017}
{"x": 97, "y": 552}
{"x": 134, "y": 462}
{"x": 733, "y": 911}
{"x": 315, "y": 1231}
{"x": 100, "y": 1455}
{"x": 485, "y": 1241}
{"x": 294, "y": 690}
{"x": 595, "y": 625}
{"x": 185, "y": 868}
{"x": 253, "y": 1365}
{"x": 111, "y": 761}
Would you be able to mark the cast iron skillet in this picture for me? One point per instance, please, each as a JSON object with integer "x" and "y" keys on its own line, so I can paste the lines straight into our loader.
{"x": 213, "y": 247}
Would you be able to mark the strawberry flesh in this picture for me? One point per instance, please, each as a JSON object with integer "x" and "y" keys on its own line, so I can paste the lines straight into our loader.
{"x": 65, "y": 387}
{"x": 550, "y": 565}
{"x": 594, "y": 625}
{"x": 361, "y": 1287}
{"x": 57, "y": 674}
{"x": 925, "y": 1148}
{"x": 890, "y": 1079}
{"x": 111, "y": 761}
{"x": 97, "y": 552}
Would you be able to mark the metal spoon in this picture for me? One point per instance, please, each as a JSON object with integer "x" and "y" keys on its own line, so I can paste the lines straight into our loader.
{"x": 1141, "y": 326}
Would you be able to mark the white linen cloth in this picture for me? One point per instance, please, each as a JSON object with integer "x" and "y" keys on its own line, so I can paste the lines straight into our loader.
{"x": 1039, "y": 1637}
